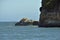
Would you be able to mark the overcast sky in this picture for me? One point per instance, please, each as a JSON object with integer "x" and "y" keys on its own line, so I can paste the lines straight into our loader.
{"x": 14, "y": 10}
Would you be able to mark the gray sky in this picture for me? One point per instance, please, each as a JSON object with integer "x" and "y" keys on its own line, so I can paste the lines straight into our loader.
{"x": 14, "y": 10}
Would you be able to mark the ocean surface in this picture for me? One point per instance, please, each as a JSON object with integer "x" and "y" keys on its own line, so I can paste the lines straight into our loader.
{"x": 8, "y": 31}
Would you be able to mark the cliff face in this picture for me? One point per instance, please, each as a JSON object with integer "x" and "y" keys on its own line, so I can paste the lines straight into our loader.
{"x": 50, "y": 12}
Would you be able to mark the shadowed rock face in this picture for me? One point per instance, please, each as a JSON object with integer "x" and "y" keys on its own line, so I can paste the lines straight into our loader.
{"x": 50, "y": 12}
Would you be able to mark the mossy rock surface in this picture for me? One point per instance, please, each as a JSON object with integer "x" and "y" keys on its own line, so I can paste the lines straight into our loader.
{"x": 50, "y": 4}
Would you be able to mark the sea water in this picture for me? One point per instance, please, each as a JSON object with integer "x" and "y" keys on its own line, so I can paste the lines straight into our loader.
{"x": 8, "y": 31}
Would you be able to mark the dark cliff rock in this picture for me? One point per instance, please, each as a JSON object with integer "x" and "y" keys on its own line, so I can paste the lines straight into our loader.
{"x": 50, "y": 13}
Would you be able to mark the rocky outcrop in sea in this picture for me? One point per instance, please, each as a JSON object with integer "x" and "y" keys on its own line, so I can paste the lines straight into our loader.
{"x": 25, "y": 22}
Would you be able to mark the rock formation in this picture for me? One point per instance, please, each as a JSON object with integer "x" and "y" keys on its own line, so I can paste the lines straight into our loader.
{"x": 35, "y": 22}
{"x": 50, "y": 13}
{"x": 25, "y": 22}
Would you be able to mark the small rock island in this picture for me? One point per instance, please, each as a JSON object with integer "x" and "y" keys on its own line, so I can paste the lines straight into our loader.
{"x": 25, "y": 22}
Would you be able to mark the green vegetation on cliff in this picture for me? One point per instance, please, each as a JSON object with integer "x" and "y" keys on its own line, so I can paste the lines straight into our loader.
{"x": 50, "y": 4}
